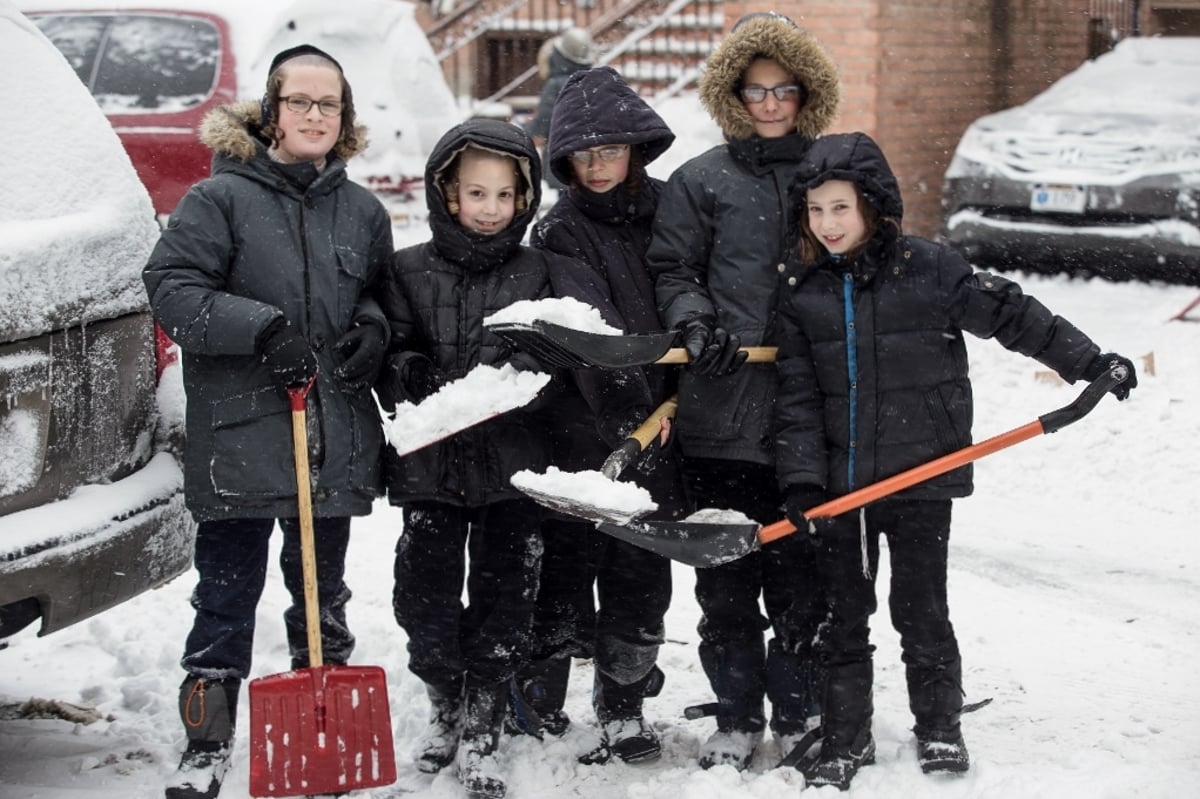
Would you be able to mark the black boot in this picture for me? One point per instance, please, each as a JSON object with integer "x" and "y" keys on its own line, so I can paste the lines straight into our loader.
{"x": 436, "y": 747}
{"x": 624, "y": 730}
{"x": 935, "y": 697}
{"x": 847, "y": 744}
{"x": 794, "y": 687}
{"x": 536, "y": 698}
{"x": 736, "y": 671}
{"x": 484, "y": 707}
{"x": 209, "y": 712}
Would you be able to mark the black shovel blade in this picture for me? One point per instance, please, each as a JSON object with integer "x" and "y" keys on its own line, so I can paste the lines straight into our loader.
{"x": 560, "y": 346}
{"x": 698, "y": 544}
{"x": 582, "y": 510}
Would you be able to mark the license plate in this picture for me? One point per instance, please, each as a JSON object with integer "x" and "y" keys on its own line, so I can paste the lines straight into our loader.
{"x": 1063, "y": 199}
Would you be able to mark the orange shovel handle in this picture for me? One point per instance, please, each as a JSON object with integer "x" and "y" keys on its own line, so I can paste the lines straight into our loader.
{"x": 917, "y": 474}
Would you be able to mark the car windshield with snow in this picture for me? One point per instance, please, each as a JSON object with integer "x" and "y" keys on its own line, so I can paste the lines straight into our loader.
{"x": 1097, "y": 175}
{"x": 91, "y": 502}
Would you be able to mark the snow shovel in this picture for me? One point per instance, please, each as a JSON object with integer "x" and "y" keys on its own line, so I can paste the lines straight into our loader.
{"x": 712, "y": 543}
{"x": 323, "y": 729}
{"x": 616, "y": 463}
{"x": 564, "y": 347}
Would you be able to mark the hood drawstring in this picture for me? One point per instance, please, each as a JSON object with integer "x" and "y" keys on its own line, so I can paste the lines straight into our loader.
{"x": 862, "y": 542}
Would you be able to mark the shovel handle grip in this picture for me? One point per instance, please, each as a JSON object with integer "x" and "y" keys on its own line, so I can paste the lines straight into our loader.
{"x": 753, "y": 355}
{"x": 1047, "y": 423}
{"x": 639, "y": 439}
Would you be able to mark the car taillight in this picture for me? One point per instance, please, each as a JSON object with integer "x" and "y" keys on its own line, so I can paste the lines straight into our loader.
{"x": 166, "y": 352}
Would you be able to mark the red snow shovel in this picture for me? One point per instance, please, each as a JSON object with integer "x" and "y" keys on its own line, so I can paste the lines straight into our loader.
{"x": 323, "y": 729}
{"x": 712, "y": 543}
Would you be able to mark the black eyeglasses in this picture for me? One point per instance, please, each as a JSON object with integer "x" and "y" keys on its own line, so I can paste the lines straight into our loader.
{"x": 300, "y": 105}
{"x": 756, "y": 94}
{"x": 610, "y": 153}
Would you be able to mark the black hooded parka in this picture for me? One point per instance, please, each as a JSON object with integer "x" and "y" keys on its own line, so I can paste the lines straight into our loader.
{"x": 436, "y": 296}
{"x": 257, "y": 241}
{"x": 873, "y": 368}
{"x": 721, "y": 234}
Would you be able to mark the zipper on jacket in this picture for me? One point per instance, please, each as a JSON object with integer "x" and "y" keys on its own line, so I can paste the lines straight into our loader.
{"x": 851, "y": 373}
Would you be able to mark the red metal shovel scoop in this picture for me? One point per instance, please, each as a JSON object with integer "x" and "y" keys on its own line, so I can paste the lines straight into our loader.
{"x": 324, "y": 729}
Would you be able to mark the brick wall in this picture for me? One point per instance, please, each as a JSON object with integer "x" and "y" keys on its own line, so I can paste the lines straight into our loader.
{"x": 915, "y": 74}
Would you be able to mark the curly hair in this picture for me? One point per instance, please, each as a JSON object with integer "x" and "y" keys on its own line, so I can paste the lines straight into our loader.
{"x": 348, "y": 138}
{"x": 449, "y": 182}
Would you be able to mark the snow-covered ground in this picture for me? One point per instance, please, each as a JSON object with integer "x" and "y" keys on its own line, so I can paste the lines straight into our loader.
{"x": 1073, "y": 587}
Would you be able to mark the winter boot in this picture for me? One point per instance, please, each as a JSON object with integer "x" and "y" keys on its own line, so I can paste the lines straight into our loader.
{"x": 209, "y": 712}
{"x": 737, "y": 672}
{"x": 847, "y": 710}
{"x": 935, "y": 697}
{"x": 436, "y": 747}
{"x": 624, "y": 731}
{"x": 794, "y": 686}
{"x": 536, "y": 697}
{"x": 483, "y": 714}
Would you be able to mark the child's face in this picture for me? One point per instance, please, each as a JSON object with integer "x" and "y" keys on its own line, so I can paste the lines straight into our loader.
{"x": 772, "y": 117}
{"x": 601, "y": 169}
{"x": 834, "y": 216}
{"x": 308, "y": 136}
{"x": 487, "y": 191}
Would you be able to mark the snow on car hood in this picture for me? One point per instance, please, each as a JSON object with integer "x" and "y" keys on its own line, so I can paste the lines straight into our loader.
{"x": 76, "y": 224}
{"x": 1129, "y": 113}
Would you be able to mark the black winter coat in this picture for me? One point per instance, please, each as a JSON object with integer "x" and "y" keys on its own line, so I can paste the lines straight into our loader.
{"x": 257, "y": 241}
{"x": 721, "y": 235}
{"x": 436, "y": 296}
{"x": 873, "y": 368}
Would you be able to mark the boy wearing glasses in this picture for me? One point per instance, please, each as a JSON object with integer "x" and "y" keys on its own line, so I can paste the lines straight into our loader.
{"x": 265, "y": 277}
{"x": 602, "y": 136}
{"x": 717, "y": 254}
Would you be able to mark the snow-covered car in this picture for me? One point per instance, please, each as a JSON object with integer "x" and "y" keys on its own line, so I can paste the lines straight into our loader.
{"x": 91, "y": 494}
{"x": 156, "y": 68}
{"x": 1099, "y": 174}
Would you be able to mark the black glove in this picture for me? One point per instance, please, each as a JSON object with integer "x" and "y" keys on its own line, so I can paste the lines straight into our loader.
{"x": 801, "y": 498}
{"x": 362, "y": 350}
{"x": 287, "y": 355}
{"x": 712, "y": 351}
{"x": 420, "y": 377}
{"x": 1107, "y": 360}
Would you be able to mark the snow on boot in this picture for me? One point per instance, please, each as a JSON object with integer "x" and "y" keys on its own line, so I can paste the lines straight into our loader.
{"x": 483, "y": 714}
{"x": 730, "y": 747}
{"x": 632, "y": 740}
{"x": 436, "y": 746}
{"x": 838, "y": 768}
{"x": 209, "y": 711}
{"x": 799, "y": 749}
{"x": 942, "y": 752}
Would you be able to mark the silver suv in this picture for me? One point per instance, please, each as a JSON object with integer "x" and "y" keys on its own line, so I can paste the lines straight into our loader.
{"x": 91, "y": 504}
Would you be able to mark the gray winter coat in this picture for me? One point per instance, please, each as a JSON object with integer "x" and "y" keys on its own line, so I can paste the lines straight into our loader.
{"x": 873, "y": 369}
{"x": 256, "y": 241}
{"x": 721, "y": 235}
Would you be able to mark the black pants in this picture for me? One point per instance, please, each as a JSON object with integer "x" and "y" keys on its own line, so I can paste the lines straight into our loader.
{"x": 622, "y": 627}
{"x": 918, "y": 535}
{"x": 490, "y": 638}
{"x": 231, "y": 557}
{"x": 784, "y": 573}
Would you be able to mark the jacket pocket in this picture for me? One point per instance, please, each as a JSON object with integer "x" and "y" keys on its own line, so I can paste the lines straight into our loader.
{"x": 946, "y": 405}
{"x": 252, "y": 448}
{"x": 736, "y": 407}
{"x": 351, "y": 277}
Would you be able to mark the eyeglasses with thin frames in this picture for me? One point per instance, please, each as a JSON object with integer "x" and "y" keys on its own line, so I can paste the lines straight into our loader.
{"x": 756, "y": 94}
{"x": 609, "y": 153}
{"x": 300, "y": 105}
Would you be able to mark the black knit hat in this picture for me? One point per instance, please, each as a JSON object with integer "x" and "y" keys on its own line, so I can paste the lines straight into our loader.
{"x": 299, "y": 50}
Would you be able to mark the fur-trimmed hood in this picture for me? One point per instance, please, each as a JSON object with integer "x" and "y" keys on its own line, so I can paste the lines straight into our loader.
{"x": 231, "y": 130}
{"x": 772, "y": 36}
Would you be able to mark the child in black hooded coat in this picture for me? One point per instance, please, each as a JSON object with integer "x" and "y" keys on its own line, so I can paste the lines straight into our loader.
{"x": 873, "y": 381}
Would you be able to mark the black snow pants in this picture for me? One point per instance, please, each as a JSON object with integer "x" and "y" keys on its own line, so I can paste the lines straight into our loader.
{"x": 490, "y": 638}
{"x": 784, "y": 573}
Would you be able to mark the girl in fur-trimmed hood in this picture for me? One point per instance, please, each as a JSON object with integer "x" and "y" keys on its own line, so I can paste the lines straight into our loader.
{"x": 718, "y": 249}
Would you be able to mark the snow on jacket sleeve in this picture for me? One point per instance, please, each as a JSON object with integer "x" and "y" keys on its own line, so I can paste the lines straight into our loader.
{"x": 185, "y": 278}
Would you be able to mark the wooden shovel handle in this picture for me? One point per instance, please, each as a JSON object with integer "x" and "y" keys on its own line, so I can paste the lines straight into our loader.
{"x": 650, "y": 429}
{"x": 756, "y": 355}
{"x": 308, "y": 561}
